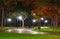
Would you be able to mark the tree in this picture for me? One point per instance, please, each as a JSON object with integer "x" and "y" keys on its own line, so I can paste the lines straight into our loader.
{"x": 2, "y": 10}
{"x": 6, "y": 6}
{"x": 48, "y": 10}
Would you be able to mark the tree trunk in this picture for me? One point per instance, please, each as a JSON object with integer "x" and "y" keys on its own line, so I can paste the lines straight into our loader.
{"x": 55, "y": 21}
{"x": 22, "y": 23}
{"x": 39, "y": 25}
{"x": 2, "y": 24}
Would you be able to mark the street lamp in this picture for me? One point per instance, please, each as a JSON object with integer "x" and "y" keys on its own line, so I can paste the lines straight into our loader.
{"x": 20, "y": 17}
{"x": 42, "y": 18}
{"x": 34, "y": 20}
{"x": 9, "y": 19}
{"x": 34, "y": 14}
{"x": 45, "y": 21}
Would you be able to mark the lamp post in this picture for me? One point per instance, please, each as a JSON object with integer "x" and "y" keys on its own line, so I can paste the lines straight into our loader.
{"x": 8, "y": 20}
{"x": 22, "y": 19}
{"x": 42, "y": 19}
{"x": 34, "y": 21}
{"x": 22, "y": 16}
{"x": 46, "y": 21}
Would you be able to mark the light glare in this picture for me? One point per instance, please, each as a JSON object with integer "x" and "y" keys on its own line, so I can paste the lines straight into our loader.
{"x": 46, "y": 21}
{"x": 34, "y": 14}
{"x": 20, "y": 17}
{"x": 34, "y": 20}
{"x": 42, "y": 18}
{"x": 9, "y": 20}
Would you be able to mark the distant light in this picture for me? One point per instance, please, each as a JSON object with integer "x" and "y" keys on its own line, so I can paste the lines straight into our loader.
{"x": 46, "y": 21}
{"x": 9, "y": 19}
{"x": 44, "y": 27}
{"x": 42, "y": 18}
{"x": 34, "y": 20}
{"x": 19, "y": 17}
{"x": 34, "y": 14}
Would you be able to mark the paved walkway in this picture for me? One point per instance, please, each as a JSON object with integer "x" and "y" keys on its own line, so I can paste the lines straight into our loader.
{"x": 29, "y": 31}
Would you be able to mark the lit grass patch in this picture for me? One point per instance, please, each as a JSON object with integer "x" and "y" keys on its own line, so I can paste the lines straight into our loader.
{"x": 47, "y": 30}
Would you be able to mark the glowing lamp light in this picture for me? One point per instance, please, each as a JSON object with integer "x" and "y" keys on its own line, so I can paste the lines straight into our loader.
{"x": 34, "y": 14}
{"x": 42, "y": 18}
{"x": 34, "y": 20}
{"x": 9, "y": 19}
{"x": 46, "y": 21}
{"x": 20, "y": 18}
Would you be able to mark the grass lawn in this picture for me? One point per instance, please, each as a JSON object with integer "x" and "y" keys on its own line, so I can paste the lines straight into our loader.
{"x": 26, "y": 36}
{"x": 47, "y": 30}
